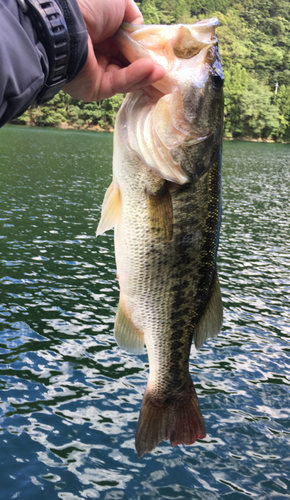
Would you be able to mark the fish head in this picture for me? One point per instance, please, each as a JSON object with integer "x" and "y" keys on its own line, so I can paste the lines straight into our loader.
{"x": 193, "y": 71}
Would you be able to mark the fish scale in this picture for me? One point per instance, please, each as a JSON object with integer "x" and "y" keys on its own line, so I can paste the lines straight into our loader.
{"x": 165, "y": 205}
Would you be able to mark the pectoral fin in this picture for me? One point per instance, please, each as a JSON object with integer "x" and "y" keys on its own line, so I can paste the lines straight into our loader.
{"x": 160, "y": 213}
{"x": 126, "y": 335}
{"x": 110, "y": 210}
{"x": 210, "y": 323}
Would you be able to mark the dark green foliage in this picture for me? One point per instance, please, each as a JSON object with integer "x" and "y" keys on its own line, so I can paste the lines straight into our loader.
{"x": 236, "y": 84}
{"x": 150, "y": 12}
{"x": 283, "y": 104}
{"x": 259, "y": 117}
{"x": 254, "y": 37}
{"x": 67, "y": 111}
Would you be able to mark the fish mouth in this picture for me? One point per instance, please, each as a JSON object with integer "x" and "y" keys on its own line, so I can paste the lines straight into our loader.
{"x": 169, "y": 46}
{"x": 189, "y": 54}
{"x": 187, "y": 40}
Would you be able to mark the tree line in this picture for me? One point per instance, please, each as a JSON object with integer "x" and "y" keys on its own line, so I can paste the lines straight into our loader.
{"x": 254, "y": 39}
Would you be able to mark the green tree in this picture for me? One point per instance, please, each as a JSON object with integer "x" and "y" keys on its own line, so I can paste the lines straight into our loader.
{"x": 149, "y": 11}
{"x": 166, "y": 11}
{"x": 254, "y": 39}
{"x": 182, "y": 12}
{"x": 283, "y": 105}
{"x": 259, "y": 115}
{"x": 236, "y": 82}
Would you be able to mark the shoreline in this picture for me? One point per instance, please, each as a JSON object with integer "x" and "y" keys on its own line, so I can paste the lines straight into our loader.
{"x": 90, "y": 128}
{"x": 249, "y": 139}
{"x": 97, "y": 128}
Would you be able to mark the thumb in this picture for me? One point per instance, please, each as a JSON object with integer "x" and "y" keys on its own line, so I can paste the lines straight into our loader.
{"x": 132, "y": 13}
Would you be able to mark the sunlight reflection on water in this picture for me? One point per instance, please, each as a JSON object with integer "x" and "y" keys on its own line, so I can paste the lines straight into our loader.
{"x": 70, "y": 397}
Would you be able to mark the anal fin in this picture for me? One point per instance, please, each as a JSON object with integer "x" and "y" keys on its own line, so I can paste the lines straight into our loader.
{"x": 126, "y": 335}
{"x": 209, "y": 325}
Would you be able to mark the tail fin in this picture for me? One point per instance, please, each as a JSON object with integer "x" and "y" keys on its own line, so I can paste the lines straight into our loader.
{"x": 182, "y": 423}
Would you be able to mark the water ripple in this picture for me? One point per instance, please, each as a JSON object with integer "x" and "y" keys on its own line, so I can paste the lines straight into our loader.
{"x": 70, "y": 397}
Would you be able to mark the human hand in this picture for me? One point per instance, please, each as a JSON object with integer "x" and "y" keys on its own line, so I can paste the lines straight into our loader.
{"x": 104, "y": 73}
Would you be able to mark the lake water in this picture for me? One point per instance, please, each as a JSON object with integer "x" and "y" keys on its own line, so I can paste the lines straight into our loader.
{"x": 70, "y": 397}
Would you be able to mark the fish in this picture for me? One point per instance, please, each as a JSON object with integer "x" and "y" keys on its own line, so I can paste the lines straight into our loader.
{"x": 164, "y": 204}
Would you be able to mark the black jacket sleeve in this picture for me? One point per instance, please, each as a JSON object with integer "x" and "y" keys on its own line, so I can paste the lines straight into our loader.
{"x": 23, "y": 60}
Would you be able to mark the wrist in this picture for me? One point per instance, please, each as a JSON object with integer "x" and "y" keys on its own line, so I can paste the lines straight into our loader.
{"x": 78, "y": 36}
{"x": 60, "y": 28}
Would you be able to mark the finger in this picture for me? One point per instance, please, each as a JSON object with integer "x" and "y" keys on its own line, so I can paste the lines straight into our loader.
{"x": 132, "y": 14}
{"x": 139, "y": 74}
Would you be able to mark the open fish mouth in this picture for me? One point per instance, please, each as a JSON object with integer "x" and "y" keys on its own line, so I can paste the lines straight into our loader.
{"x": 189, "y": 54}
{"x": 169, "y": 46}
{"x": 160, "y": 42}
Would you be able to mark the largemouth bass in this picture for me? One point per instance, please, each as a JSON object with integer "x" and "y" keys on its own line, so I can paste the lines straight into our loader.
{"x": 165, "y": 205}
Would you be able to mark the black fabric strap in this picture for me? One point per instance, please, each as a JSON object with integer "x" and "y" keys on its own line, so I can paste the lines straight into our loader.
{"x": 49, "y": 23}
{"x": 74, "y": 39}
{"x": 60, "y": 28}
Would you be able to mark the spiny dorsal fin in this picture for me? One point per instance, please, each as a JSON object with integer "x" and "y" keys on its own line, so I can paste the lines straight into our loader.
{"x": 160, "y": 213}
{"x": 210, "y": 323}
{"x": 110, "y": 210}
{"x": 126, "y": 335}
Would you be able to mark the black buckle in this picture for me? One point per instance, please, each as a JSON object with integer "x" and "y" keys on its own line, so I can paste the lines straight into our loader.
{"x": 50, "y": 26}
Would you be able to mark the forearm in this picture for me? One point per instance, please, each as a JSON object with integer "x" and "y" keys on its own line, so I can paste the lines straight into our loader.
{"x": 24, "y": 65}
{"x": 94, "y": 66}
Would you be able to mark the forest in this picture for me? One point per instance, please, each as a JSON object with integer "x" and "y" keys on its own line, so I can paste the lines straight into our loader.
{"x": 254, "y": 40}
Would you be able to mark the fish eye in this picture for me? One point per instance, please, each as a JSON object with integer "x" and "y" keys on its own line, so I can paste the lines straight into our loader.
{"x": 217, "y": 81}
